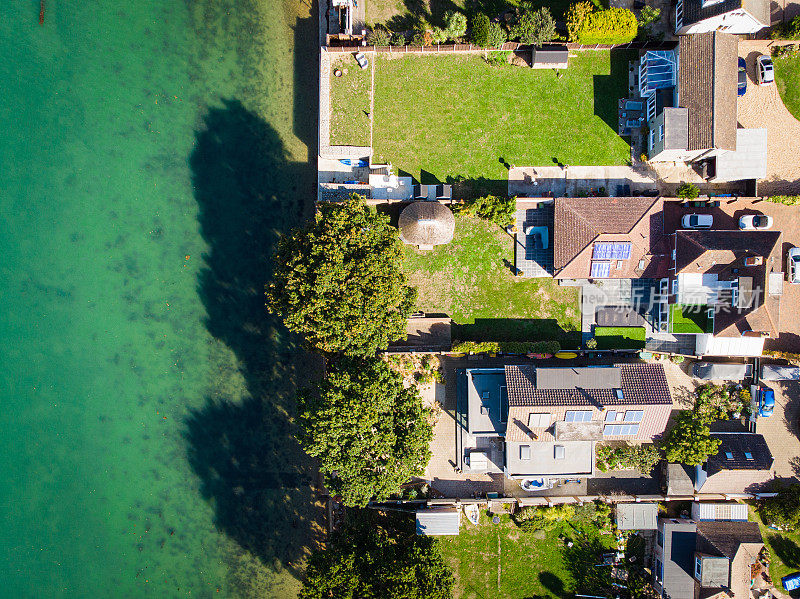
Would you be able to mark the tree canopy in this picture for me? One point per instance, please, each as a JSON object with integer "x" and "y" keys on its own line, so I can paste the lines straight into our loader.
{"x": 370, "y": 433}
{"x": 367, "y": 560}
{"x": 689, "y": 441}
{"x": 339, "y": 280}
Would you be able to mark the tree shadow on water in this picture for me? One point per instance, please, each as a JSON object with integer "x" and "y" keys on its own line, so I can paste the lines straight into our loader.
{"x": 251, "y": 467}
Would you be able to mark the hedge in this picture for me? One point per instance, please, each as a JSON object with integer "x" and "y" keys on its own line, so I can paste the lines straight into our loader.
{"x": 786, "y": 200}
{"x": 508, "y": 347}
{"x": 610, "y": 26}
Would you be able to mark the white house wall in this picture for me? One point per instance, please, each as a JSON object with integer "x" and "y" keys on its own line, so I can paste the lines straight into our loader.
{"x": 735, "y": 22}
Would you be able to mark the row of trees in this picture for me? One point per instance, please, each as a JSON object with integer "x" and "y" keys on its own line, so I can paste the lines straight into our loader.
{"x": 339, "y": 283}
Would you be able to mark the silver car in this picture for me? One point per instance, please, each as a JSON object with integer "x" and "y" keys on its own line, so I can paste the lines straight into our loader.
{"x": 697, "y": 221}
{"x": 793, "y": 265}
{"x": 765, "y": 71}
{"x": 755, "y": 222}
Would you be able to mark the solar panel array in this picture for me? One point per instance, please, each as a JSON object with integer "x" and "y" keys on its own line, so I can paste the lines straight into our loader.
{"x": 600, "y": 270}
{"x": 611, "y": 250}
{"x": 614, "y": 430}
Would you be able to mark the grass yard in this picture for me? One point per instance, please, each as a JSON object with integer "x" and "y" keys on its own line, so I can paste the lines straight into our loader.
{"x": 787, "y": 78}
{"x": 469, "y": 279}
{"x": 784, "y": 549}
{"x": 350, "y": 103}
{"x": 620, "y": 337}
{"x": 501, "y": 560}
{"x": 446, "y": 116}
{"x": 690, "y": 319}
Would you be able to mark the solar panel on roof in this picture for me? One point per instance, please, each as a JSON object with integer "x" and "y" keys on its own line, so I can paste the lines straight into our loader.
{"x": 600, "y": 270}
{"x": 611, "y": 250}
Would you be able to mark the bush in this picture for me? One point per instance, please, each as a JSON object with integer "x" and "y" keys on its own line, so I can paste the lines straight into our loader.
{"x": 497, "y": 35}
{"x": 480, "y": 30}
{"x": 784, "y": 509}
{"x": 455, "y": 24}
{"x": 648, "y": 15}
{"x": 534, "y": 27}
{"x": 789, "y": 357}
{"x": 689, "y": 441}
{"x": 576, "y": 15}
{"x": 591, "y": 343}
{"x": 421, "y": 37}
{"x": 510, "y": 347}
{"x": 688, "y": 191}
{"x": 785, "y": 200}
{"x": 498, "y": 58}
{"x": 498, "y": 209}
{"x": 398, "y": 39}
{"x": 787, "y": 31}
{"x": 530, "y": 519}
{"x": 378, "y": 37}
{"x": 790, "y": 50}
{"x": 628, "y": 457}
{"x": 610, "y": 26}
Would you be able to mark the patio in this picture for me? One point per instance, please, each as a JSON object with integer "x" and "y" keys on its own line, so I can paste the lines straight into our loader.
{"x": 580, "y": 181}
{"x": 631, "y": 115}
{"x": 533, "y": 242}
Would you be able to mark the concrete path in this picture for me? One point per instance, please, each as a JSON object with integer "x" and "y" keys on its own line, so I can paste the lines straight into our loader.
{"x": 574, "y": 181}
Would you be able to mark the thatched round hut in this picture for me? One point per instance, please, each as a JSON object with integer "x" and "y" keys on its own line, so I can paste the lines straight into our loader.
{"x": 426, "y": 224}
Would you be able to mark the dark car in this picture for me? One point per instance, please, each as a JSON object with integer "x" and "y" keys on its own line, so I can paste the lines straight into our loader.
{"x": 742, "y": 77}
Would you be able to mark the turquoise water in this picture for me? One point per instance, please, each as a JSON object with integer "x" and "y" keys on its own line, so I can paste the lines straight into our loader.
{"x": 150, "y": 153}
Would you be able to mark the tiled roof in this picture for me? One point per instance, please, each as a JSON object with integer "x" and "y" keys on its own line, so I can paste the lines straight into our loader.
{"x": 726, "y": 537}
{"x": 736, "y": 445}
{"x": 723, "y": 253}
{"x": 641, "y": 384}
{"x": 707, "y": 75}
{"x": 694, "y": 11}
{"x": 580, "y": 221}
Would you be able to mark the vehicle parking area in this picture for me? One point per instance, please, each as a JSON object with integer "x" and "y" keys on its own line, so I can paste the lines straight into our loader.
{"x": 785, "y": 219}
{"x": 761, "y": 107}
{"x": 782, "y": 429}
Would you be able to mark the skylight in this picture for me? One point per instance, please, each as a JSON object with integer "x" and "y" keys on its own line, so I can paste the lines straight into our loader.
{"x": 748, "y": 455}
{"x": 729, "y": 455}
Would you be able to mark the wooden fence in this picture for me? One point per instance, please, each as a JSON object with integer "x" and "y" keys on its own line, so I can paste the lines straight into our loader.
{"x": 471, "y": 48}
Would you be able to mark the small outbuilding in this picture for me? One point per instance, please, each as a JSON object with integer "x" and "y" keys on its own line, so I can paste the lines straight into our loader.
{"x": 438, "y": 521}
{"x": 637, "y": 516}
{"x": 550, "y": 57}
{"x": 426, "y": 224}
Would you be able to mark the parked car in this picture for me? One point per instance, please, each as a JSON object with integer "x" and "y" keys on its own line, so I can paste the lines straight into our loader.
{"x": 361, "y": 59}
{"x": 697, "y": 221}
{"x": 765, "y": 70}
{"x": 742, "y": 87}
{"x": 766, "y": 402}
{"x": 755, "y": 222}
{"x": 793, "y": 265}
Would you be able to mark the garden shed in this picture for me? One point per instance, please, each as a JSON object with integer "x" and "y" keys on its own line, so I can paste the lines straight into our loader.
{"x": 637, "y": 516}
{"x": 426, "y": 224}
{"x": 550, "y": 57}
{"x": 438, "y": 521}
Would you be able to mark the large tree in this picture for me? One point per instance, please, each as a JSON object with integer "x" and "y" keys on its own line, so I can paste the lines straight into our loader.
{"x": 689, "y": 441}
{"x": 370, "y": 433}
{"x": 339, "y": 281}
{"x": 367, "y": 560}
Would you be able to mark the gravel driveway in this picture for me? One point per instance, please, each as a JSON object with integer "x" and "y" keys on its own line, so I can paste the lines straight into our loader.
{"x": 760, "y": 107}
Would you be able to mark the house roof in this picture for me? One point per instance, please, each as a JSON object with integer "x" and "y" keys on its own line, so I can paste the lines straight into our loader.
{"x": 637, "y": 516}
{"x": 723, "y": 253}
{"x": 676, "y": 128}
{"x": 438, "y": 521}
{"x": 680, "y": 539}
{"x": 640, "y": 384}
{"x": 426, "y": 223}
{"x": 749, "y": 161}
{"x": 694, "y": 11}
{"x": 737, "y": 445}
{"x": 724, "y": 538}
{"x": 707, "y": 76}
{"x": 581, "y": 222}
{"x": 679, "y": 481}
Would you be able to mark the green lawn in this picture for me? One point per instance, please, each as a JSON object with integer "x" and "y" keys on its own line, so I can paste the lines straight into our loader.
{"x": 501, "y": 560}
{"x": 470, "y": 280}
{"x": 787, "y": 78}
{"x": 784, "y": 549}
{"x": 690, "y": 319}
{"x": 350, "y": 103}
{"x": 620, "y": 337}
{"x": 447, "y": 116}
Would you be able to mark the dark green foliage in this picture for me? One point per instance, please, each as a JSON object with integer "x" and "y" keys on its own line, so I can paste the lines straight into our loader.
{"x": 369, "y": 432}
{"x": 648, "y": 16}
{"x": 379, "y": 37}
{"x": 628, "y": 457}
{"x": 610, "y": 26}
{"x": 498, "y": 209}
{"x": 787, "y": 31}
{"x": 339, "y": 281}
{"x": 510, "y": 347}
{"x": 497, "y": 35}
{"x": 689, "y": 441}
{"x": 498, "y": 58}
{"x": 784, "y": 509}
{"x": 370, "y": 560}
{"x": 687, "y": 191}
{"x": 455, "y": 24}
{"x": 480, "y": 30}
{"x": 534, "y": 27}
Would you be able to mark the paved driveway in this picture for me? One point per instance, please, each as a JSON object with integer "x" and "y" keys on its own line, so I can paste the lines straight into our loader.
{"x": 761, "y": 107}
{"x": 781, "y": 429}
